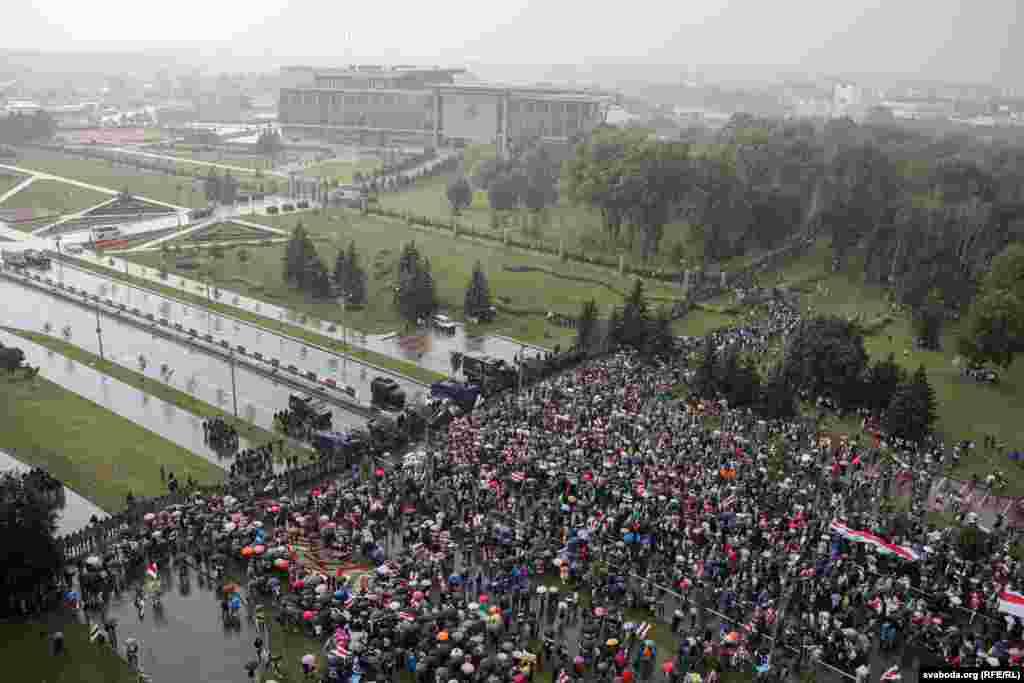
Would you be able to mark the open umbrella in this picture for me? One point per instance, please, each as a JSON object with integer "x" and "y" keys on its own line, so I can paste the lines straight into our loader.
{"x": 309, "y": 660}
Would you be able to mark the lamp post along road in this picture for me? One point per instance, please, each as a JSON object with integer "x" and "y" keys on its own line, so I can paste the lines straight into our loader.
{"x": 234, "y": 387}
{"x": 99, "y": 330}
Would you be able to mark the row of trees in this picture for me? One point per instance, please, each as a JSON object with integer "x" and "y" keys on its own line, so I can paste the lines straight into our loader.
{"x": 415, "y": 291}
{"x": 528, "y": 179}
{"x": 303, "y": 268}
{"x": 221, "y": 189}
{"x": 28, "y": 527}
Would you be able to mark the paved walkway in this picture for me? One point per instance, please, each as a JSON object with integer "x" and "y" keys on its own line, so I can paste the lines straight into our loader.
{"x": 214, "y": 164}
{"x": 17, "y": 188}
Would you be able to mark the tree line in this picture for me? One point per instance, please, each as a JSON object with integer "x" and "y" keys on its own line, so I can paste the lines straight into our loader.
{"x": 305, "y": 269}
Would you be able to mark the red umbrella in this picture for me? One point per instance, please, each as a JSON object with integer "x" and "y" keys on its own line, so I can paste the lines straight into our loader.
{"x": 484, "y": 599}
{"x": 668, "y": 667}
{"x": 379, "y": 472}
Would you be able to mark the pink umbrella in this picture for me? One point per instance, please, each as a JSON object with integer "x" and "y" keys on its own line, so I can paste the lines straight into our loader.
{"x": 418, "y": 595}
{"x": 484, "y": 599}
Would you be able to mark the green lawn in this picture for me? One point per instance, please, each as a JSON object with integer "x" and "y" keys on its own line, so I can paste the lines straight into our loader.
{"x": 219, "y": 232}
{"x": 140, "y": 381}
{"x": 408, "y": 369}
{"x": 29, "y": 656}
{"x": 342, "y": 170}
{"x": 147, "y": 184}
{"x": 452, "y": 259}
{"x": 97, "y": 453}
{"x": 580, "y": 228}
{"x": 55, "y": 197}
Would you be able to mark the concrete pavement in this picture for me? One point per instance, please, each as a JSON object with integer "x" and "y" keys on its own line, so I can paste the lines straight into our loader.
{"x": 17, "y": 188}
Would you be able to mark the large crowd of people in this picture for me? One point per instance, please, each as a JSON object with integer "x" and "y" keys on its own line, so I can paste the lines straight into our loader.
{"x": 600, "y": 516}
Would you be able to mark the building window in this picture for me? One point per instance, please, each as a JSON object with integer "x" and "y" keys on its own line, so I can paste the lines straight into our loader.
{"x": 350, "y": 100}
{"x": 571, "y": 108}
{"x": 529, "y": 107}
{"x": 557, "y": 130}
{"x": 542, "y": 107}
{"x": 513, "y": 107}
{"x": 310, "y": 99}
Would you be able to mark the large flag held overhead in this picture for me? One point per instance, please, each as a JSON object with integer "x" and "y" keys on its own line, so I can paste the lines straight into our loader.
{"x": 1011, "y": 602}
{"x": 892, "y": 674}
{"x": 883, "y": 546}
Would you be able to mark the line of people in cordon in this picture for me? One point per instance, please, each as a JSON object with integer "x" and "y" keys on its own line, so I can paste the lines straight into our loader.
{"x": 254, "y": 463}
{"x": 220, "y": 435}
{"x": 587, "y": 515}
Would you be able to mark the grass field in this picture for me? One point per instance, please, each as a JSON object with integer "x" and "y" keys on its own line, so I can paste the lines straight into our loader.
{"x": 966, "y": 410}
{"x": 380, "y": 240}
{"x": 408, "y": 369}
{"x": 581, "y": 228}
{"x": 97, "y": 453}
{"x": 29, "y": 656}
{"x": 53, "y": 196}
{"x": 146, "y": 184}
{"x": 222, "y": 232}
{"x": 342, "y": 170}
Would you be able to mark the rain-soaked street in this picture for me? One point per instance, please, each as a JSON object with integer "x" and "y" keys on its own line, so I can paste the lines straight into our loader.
{"x": 436, "y": 357}
{"x": 162, "y": 418}
{"x": 189, "y": 370}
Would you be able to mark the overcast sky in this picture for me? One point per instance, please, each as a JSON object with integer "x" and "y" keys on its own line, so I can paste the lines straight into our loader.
{"x": 941, "y": 39}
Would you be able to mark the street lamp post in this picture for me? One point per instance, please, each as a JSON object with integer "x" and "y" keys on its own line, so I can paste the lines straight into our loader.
{"x": 234, "y": 388}
{"x": 99, "y": 330}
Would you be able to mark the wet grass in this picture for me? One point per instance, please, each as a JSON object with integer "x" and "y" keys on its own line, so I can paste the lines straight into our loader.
{"x": 9, "y": 182}
{"x": 114, "y": 177}
{"x": 26, "y": 651}
{"x": 556, "y": 288}
{"x": 579, "y": 228}
{"x": 95, "y": 452}
{"x": 55, "y": 197}
{"x": 407, "y": 369}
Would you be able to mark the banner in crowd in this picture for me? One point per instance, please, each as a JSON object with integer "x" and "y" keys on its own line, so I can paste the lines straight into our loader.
{"x": 882, "y": 545}
{"x": 1011, "y": 602}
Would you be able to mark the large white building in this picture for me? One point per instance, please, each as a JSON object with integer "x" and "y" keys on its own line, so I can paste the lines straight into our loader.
{"x": 428, "y": 104}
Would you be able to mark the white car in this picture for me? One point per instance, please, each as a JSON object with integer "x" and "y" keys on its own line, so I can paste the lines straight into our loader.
{"x": 444, "y": 324}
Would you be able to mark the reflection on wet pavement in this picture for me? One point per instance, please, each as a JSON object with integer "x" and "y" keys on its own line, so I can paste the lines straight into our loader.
{"x": 162, "y": 418}
{"x": 186, "y": 369}
{"x": 436, "y": 357}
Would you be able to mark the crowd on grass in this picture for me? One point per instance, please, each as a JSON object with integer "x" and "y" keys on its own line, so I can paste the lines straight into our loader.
{"x": 594, "y": 521}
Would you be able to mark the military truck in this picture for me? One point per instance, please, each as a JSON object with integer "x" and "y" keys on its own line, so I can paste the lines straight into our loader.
{"x": 386, "y": 394}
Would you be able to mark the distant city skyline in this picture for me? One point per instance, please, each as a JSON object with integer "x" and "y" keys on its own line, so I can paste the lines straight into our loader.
{"x": 936, "y": 40}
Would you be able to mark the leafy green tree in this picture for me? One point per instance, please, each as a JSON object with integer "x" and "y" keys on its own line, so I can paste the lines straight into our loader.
{"x": 478, "y": 293}
{"x": 506, "y": 192}
{"x": 927, "y": 322}
{"x": 228, "y": 189}
{"x": 778, "y": 397}
{"x": 634, "y": 325}
{"x": 706, "y": 375}
{"x": 299, "y": 254}
{"x": 341, "y": 268}
{"x": 826, "y": 356}
{"x": 354, "y": 284}
{"x": 460, "y": 194}
{"x": 11, "y": 358}
{"x": 426, "y": 301}
{"x": 913, "y": 409}
{"x": 28, "y": 526}
{"x": 586, "y": 326}
{"x": 884, "y": 380}
{"x": 212, "y": 185}
{"x": 995, "y": 324}
{"x": 415, "y": 294}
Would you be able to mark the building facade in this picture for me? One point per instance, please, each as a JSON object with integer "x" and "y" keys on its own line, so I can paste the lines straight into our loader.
{"x": 429, "y": 105}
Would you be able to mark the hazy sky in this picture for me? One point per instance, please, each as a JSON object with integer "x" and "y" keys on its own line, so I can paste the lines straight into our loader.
{"x": 947, "y": 39}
